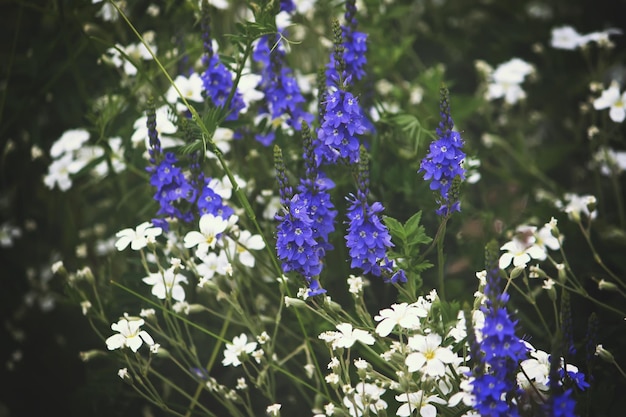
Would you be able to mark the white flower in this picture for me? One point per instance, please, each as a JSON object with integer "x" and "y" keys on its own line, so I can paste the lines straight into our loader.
{"x": 403, "y": 315}
{"x": 129, "y": 334}
{"x": 346, "y": 336}
{"x": 190, "y": 87}
{"x": 137, "y": 238}
{"x": 566, "y": 37}
{"x": 167, "y": 283}
{"x": 611, "y": 98}
{"x": 355, "y": 284}
{"x": 602, "y": 37}
{"x": 134, "y": 51}
{"x": 459, "y": 331}
{"x": 246, "y": 241}
{"x": 59, "y": 173}
{"x": 418, "y": 401}
{"x": 429, "y": 356}
{"x": 235, "y": 350}
{"x": 210, "y": 227}
{"x": 609, "y": 161}
{"x": 70, "y": 141}
{"x": 218, "y": 4}
{"x": 164, "y": 127}
{"x": 273, "y": 410}
{"x": 9, "y": 232}
{"x": 365, "y": 395}
{"x": 580, "y": 204}
{"x": 506, "y": 79}
{"x": 537, "y": 368}
{"x": 211, "y": 264}
{"x": 545, "y": 238}
{"x": 247, "y": 87}
{"x": 521, "y": 248}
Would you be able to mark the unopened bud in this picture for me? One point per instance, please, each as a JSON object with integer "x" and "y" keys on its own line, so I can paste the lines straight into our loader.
{"x": 85, "y": 274}
{"x": 604, "y": 354}
{"x": 605, "y": 285}
{"x": 334, "y": 306}
{"x": 295, "y": 302}
{"x": 59, "y": 268}
{"x": 91, "y": 354}
{"x": 561, "y": 273}
{"x": 517, "y": 271}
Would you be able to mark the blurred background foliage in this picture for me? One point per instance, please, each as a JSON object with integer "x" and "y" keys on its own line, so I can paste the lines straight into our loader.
{"x": 51, "y": 73}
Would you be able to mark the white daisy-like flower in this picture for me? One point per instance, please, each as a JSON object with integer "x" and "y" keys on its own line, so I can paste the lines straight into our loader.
{"x": 365, "y": 395}
{"x": 404, "y": 315}
{"x": 521, "y": 249}
{"x": 566, "y": 37}
{"x": 428, "y": 355}
{"x": 210, "y": 228}
{"x": 237, "y": 349}
{"x": 137, "y": 238}
{"x": 418, "y": 401}
{"x": 190, "y": 87}
{"x": 612, "y": 99}
{"x": 346, "y": 336}
{"x": 129, "y": 335}
{"x": 578, "y": 205}
{"x": 167, "y": 283}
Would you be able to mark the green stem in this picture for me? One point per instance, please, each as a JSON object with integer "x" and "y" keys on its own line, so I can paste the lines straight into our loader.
{"x": 441, "y": 259}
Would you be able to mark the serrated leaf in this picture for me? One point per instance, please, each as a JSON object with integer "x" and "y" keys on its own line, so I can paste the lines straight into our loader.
{"x": 395, "y": 228}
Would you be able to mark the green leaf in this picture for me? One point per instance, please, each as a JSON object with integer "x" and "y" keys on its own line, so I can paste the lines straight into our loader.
{"x": 395, "y": 228}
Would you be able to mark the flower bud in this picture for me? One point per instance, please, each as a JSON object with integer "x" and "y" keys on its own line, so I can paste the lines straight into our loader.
{"x": 91, "y": 354}
{"x": 561, "y": 273}
{"x": 85, "y": 274}
{"x": 295, "y": 302}
{"x": 517, "y": 271}
{"x": 604, "y": 354}
{"x": 59, "y": 268}
{"x": 605, "y": 285}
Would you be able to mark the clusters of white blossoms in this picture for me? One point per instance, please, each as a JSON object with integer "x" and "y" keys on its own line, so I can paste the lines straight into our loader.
{"x": 71, "y": 154}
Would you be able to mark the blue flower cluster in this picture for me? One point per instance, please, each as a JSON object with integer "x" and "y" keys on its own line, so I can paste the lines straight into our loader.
{"x": 217, "y": 79}
{"x": 502, "y": 351}
{"x": 342, "y": 123}
{"x": 308, "y": 218}
{"x": 354, "y": 48}
{"x": 172, "y": 188}
{"x": 367, "y": 239}
{"x": 443, "y": 163}
{"x": 313, "y": 189}
{"x": 179, "y": 196}
{"x": 282, "y": 93}
{"x": 210, "y": 202}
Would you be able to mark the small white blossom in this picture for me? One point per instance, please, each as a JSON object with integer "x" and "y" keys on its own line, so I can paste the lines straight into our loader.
{"x": 238, "y": 348}
{"x": 123, "y": 373}
{"x": 346, "y": 336}
{"x": 403, "y": 315}
{"x": 85, "y": 306}
{"x": 355, "y": 284}
{"x": 136, "y": 238}
{"x": 429, "y": 356}
{"x": 167, "y": 284}
{"x": 273, "y": 410}
{"x": 418, "y": 401}
{"x": 191, "y": 89}
{"x": 577, "y": 205}
{"x": 129, "y": 335}
{"x": 365, "y": 395}
{"x": 613, "y": 100}
{"x": 210, "y": 227}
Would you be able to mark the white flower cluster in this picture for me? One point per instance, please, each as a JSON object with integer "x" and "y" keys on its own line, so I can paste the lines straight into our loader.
{"x": 70, "y": 155}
